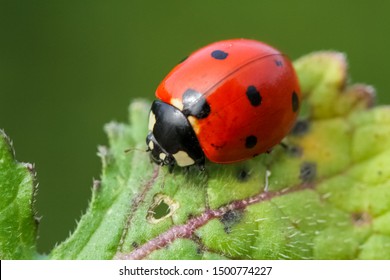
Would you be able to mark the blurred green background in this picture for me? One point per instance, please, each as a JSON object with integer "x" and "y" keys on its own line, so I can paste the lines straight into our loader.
{"x": 69, "y": 67}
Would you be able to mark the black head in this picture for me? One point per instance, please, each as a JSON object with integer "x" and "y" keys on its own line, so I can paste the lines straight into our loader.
{"x": 171, "y": 139}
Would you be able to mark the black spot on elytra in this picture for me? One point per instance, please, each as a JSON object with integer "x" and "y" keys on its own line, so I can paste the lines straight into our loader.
{"x": 253, "y": 95}
{"x": 250, "y": 141}
{"x": 230, "y": 218}
{"x": 300, "y": 128}
{"x": 218, "y": 54}
{"x": 308, "y": 171}
{"x": 295, "y": 102}
{"x": 195, "y": 104}
{"x": 243, "y": 175}
{"x": 278, "y": 63}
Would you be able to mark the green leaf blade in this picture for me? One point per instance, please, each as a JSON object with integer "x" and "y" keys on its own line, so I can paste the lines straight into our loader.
{"x": 18, "y": 224}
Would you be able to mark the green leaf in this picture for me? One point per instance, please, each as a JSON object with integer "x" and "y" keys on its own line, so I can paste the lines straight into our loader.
{"x": 325, "y": 196}
{"x": 18, "y": 225}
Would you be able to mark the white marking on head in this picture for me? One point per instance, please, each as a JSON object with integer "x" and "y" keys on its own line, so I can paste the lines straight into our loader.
{"x": 152, "y": 121}
{"x": 183, "y": 159}
{"x": 151, "y": 145}
{"x": 177, "y": 103}
{"x": 162, "y": 156}
{"x": 194, "y": 123}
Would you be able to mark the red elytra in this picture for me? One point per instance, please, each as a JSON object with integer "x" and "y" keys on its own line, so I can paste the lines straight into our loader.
{"x": 250, "y": 91}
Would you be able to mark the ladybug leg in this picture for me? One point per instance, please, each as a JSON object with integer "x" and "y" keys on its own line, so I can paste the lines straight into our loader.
{"x": 284, "y": 146}
{"x": 291, "y": 149}
{"x": 201, "y": 165}
{"x": 171, "y": 167}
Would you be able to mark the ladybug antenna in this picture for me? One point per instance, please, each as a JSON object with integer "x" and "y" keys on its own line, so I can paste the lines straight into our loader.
{"x": 136, "y": 149}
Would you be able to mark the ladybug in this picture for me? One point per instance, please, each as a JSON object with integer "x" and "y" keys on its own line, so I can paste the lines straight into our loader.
{"x": 229, "y": 101}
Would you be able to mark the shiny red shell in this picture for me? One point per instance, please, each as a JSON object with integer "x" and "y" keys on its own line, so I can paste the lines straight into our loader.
{"x": 252, "y": 91}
